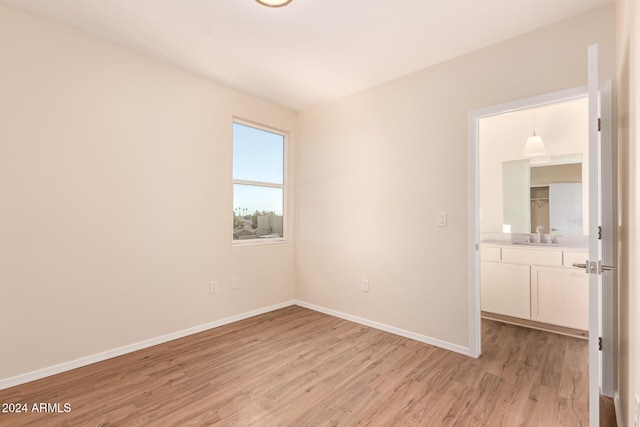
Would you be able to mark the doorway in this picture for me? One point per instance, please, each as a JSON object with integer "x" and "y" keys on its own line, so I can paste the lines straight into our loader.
{"x": 534, "y": 216}
{"x": 522, "y": 111}
{"x": 607, "y": 191}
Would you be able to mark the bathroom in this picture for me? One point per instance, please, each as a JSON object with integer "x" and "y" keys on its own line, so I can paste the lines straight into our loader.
{"x": 534, "y": 217}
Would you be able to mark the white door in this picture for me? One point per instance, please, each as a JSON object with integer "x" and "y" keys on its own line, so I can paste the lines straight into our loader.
{"x": 600, "y": 238}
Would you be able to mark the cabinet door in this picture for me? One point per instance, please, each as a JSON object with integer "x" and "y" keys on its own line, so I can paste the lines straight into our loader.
{"x": 560, "y": 296}
{"x": 506, "y": 289}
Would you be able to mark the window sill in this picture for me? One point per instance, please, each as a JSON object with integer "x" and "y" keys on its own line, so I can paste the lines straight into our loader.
{"x": 258, "y": 242}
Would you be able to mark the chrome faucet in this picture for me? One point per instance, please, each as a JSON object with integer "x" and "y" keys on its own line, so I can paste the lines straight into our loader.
{"x": 539, "y": 230}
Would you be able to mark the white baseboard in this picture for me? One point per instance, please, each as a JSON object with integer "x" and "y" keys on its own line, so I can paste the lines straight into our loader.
{"x": 397, "y": 331}
{"x": 616, "y": 401}
{"x": 84, "y": 361}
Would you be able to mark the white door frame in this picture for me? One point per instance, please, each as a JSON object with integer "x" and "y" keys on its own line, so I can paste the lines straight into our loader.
{"x": 474, "y": 235}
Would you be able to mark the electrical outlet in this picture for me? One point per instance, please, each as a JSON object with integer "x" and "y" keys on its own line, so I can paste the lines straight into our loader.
{"x": 213, "y": 287}
{"x": 364, "y": 286}
{"x": 233, "y": 284}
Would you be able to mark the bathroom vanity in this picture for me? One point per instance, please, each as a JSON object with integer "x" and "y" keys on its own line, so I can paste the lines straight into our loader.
{"x": 535, "y": 283}
{"x": 534, "y": 226}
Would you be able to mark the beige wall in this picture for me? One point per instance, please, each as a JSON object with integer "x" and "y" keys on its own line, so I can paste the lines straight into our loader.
{"x": 375, "y": 167}
{"x": 628, "y": 64}
{"x": 115, "y": 206}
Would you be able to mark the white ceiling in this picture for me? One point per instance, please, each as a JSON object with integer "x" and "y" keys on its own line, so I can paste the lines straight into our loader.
{"x": 311, "y": 51}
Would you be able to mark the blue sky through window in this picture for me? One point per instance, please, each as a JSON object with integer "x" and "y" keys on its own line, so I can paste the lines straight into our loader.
{"x": 250, "y": 198}
{"x": 258, "y": 156}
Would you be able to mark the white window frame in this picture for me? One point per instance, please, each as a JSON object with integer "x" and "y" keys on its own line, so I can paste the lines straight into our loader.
{"x": 284, "y": 186}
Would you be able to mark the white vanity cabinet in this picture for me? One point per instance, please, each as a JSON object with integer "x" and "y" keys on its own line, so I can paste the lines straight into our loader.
{"x": 536, "y": 284}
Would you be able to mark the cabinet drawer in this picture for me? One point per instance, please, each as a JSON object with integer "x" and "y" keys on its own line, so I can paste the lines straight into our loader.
{"x": 490, "y": 253}
{"x": 532, "y": 256}
{"x": 569, "y": 257}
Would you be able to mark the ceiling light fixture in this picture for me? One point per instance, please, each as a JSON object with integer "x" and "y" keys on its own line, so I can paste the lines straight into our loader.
{"x": 534, "y": 146}
{"x": 274, "y": 3}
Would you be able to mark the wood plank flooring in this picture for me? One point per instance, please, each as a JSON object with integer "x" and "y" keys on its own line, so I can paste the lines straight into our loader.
{"x": 297, "y": 367}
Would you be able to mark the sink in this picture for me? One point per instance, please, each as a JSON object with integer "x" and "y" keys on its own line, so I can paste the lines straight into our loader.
{"x": 534, "y": 244}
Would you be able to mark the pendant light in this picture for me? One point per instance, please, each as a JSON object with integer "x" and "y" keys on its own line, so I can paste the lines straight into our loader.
{"x": 534, "y": 147}
{"x": 274, "y": 3}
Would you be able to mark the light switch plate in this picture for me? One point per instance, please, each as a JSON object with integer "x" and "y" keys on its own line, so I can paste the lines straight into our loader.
{"x": 441, "y": 219}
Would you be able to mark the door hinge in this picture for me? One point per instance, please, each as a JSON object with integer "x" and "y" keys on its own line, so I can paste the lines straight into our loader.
{"x": 599, "y": 120}
{"x": 599, "y": 232}
{"x": 600, "y": 343}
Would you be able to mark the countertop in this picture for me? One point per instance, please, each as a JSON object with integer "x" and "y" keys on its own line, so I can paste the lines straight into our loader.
{"x": 537, "y": 246}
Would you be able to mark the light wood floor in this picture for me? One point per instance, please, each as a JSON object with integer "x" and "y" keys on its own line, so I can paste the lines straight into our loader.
{"x": 296, "y": 367}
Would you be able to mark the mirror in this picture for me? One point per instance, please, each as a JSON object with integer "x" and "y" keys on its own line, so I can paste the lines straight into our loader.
{"x": 547, "y": 196}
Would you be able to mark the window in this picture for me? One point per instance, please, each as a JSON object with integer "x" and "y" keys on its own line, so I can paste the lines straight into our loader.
{"x": 258, "y": 184}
